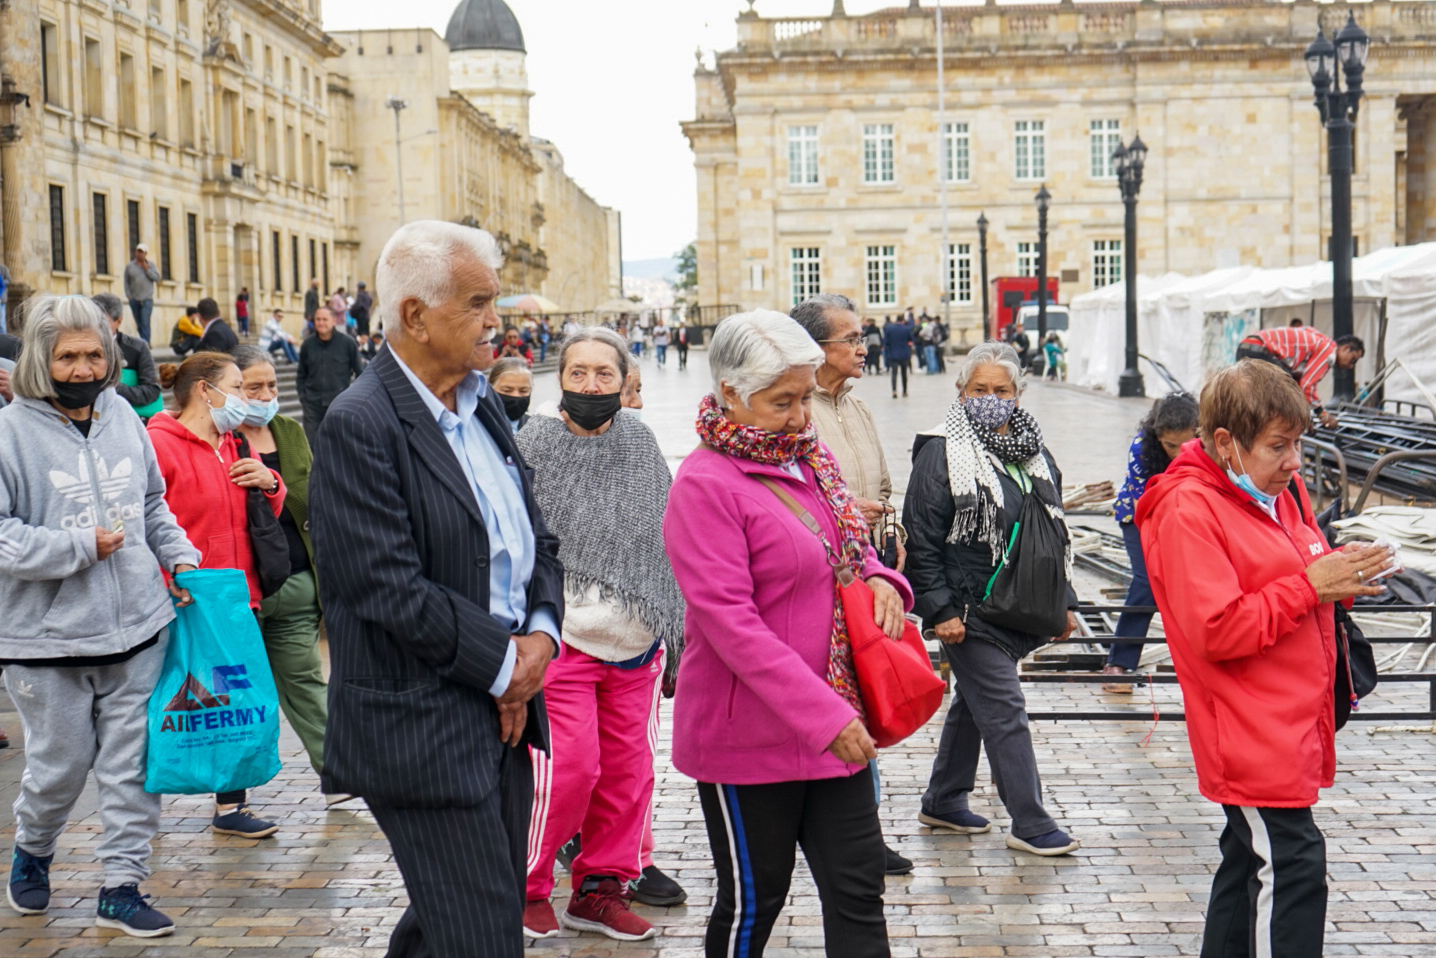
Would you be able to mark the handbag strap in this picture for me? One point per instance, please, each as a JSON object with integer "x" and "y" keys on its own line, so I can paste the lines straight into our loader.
{"x": 840, "y": 568}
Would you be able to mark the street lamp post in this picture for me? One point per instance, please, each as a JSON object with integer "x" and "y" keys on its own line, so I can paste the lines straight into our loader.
{"x": 397, "y": 105}
{"x": 1044, "y": 200}
{"x": 982, "y": 251}
{"x": 1327, "y": 62}
{"x": 1129, "y": 161}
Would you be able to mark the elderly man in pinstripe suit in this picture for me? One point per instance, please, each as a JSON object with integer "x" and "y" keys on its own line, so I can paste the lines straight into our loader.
{"x": 443, "y": 593}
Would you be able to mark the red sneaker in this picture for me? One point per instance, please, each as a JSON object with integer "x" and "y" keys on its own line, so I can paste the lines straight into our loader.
{"x": 539, "y": 920}
{"x": 601, "y": 906}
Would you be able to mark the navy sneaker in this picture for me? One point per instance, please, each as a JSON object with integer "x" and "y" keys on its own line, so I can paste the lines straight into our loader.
{"x": 962, "y": 822}
{"x": 125, "y": 909}
{"x": 29, "y": 888}
{"x": 243, "y": 822}
{"x": 1055, "y": 842}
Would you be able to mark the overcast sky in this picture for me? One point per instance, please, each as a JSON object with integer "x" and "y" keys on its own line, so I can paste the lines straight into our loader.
{"x": 612, "y": 81}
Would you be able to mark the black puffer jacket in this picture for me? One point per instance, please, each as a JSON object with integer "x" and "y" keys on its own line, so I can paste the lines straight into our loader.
{"x": 949, "y": 580}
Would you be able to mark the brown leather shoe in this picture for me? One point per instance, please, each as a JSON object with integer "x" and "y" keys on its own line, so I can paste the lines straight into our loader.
{"x": 1116, "y": 688}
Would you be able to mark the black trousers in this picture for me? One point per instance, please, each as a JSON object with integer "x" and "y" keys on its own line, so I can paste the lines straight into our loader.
{"x": 873, "y": 361}
{"x": 899, "y": 365}
{"x": 755, "y": 830}
{"x": 1269, "y": 894}
{"x": 465, "y": 870}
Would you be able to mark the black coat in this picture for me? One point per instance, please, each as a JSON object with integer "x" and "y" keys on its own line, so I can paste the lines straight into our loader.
{"x": 949, "y": 579}
{"x": 326, "y": 369}
{"x": 218, "y": 338}
{"x": 404, "y": 575}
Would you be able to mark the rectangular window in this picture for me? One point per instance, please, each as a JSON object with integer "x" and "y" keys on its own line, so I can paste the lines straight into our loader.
{"x": 1026, "y": 259}
{"x": 278, "y": 263}
{"x": 1030, "y": 149}
{"x": 132, "y": 225}
{"x": 882, "y": 275}
{"x": 249, "y": 50}
{"x": 128, "y": 119}
{"x": 304, "y": 82}
{"x": 324, "y": 251}
{"x": 191, "y": 222}
{"x": 251, "y": 137}
{"x": 1105, "y": 136}
{"x": 164, "y": 217}
{"x": 294, "y": 263}
{"x": 288, "y": 73}
{"x": 57, "y": 228}
{"x": 308, "y": 160}
{"x": 268, "y": 63}
{"x": 159, "y": 116}
{"x": 956, "y": 156}
{"x": 94, "y": 78}
{"x": 959, "y": 272}
{"x": 102, "y": 234}
{"x": 186, "y": 113}
{"x": 271, "y": 147}
{"x": 314, "y": 261}
{"x": 1106, "y": 263}
{"x": 50, "y": 63}
{"x": 807, "y": 273}
{"x": 182, "y": 13}
{"x": 291, "y": 170}
{"x": 878, "y": 150}
{"x": 802, "y": 156}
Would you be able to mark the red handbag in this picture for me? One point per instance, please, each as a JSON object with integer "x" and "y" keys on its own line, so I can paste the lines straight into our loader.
{"x": 899, "y": 687}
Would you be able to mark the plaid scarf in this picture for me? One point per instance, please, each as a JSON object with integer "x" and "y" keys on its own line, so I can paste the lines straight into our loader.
{"x": 782, "y": 449}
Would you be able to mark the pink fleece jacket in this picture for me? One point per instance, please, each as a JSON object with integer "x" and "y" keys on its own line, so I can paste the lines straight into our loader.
{"x": 753, "y": 704}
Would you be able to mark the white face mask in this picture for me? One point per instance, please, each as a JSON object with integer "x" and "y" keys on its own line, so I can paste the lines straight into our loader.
{"x": 635, "y": 413}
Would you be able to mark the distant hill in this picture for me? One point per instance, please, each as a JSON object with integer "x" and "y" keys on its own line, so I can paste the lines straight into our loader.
{"x": 665, "y": 268}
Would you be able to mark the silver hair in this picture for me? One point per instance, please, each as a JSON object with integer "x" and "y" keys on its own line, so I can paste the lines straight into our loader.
{"x": 509, "y": 364}
{"x": 813, "y": 314}
{"x": 596, "y": 334}
{"x": 418, "y": 263}
{"x": 991, "y": 353}
{"x": 46, "y": 319}
{"x": 247, "y": 356}
{"x": 752, "y": 351}
{"x": 110, "y": 305}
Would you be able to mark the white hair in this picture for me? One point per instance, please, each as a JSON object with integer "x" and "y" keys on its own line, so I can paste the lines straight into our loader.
{"x": 418, "y": 263}
{"x": 991, "y": 353}
{"x": 752, "y": 351}
{"x": 47, "y": 318}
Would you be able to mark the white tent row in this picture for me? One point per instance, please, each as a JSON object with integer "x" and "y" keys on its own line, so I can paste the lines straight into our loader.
{"x": 1192, "y": 325}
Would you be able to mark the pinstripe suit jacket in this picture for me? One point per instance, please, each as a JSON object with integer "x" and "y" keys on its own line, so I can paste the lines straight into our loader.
{"x": 403, "y": 560}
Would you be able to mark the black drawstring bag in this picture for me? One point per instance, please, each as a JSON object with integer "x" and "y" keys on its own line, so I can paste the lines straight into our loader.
{"x": 266, "y": 536}
{"x": 1028, "y": 592}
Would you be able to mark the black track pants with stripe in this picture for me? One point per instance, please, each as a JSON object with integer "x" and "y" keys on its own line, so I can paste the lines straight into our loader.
{"x": 1269, "y": 893}
{"x": 755, "y": 830}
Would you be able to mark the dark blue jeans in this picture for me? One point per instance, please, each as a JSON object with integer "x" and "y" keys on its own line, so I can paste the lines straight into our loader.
{"x": 1133, "y": 625}
{"x": 141, "y": 310}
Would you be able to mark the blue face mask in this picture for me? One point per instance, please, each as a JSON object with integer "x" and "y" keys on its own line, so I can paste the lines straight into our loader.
{"x": 231, "y": 415}
{"x": 260, "y": 413}
{"x": 991, "y": 410}
{"x": 1245, "y": 484}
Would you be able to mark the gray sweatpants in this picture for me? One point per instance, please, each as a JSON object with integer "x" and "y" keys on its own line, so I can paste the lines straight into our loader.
{"x": 988, "y": 709}
{"x": 81, "y": 718}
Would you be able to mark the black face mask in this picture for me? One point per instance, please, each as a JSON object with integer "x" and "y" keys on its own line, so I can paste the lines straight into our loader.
{"x": 515, "y": 406}
{"x": 77, "y": 395}
{"x": 590, "y": 412}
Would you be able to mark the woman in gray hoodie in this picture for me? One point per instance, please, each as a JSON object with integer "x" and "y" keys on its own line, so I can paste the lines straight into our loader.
{"x": 84, "y": 533}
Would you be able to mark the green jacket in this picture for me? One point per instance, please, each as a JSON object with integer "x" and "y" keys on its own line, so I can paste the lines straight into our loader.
{"x": 295, "y": 461}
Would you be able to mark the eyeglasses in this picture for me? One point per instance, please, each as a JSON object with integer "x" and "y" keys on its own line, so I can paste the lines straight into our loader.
{"x": 852, "y": 341}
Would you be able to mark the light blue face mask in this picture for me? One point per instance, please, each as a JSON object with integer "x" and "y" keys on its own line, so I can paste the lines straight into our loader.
{"x": 635, "y": 413}
{"x": 1245, "y": 484}
{"x": 260, "y": 413}
{"x": 231, "y": 415}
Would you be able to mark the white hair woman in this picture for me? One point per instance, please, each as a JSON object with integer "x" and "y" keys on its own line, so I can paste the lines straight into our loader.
{"x": 768, "y": 717}
{"x": 963, "y": 501}
{"x": 86, "y": 531}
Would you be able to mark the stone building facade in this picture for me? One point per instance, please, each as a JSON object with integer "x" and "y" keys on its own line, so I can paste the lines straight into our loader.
{"x": 818, "y": 149}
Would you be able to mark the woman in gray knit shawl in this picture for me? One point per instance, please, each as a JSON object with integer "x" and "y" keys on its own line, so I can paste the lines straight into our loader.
{"x": 602, "y": 484}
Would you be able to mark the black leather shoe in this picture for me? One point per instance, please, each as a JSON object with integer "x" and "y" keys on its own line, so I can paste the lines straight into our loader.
{"x": 656, "y": 888}
{"x": 896, "y": 864}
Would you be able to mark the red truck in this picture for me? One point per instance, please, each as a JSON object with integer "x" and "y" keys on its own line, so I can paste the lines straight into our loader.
{"x": 1010, "y": 293}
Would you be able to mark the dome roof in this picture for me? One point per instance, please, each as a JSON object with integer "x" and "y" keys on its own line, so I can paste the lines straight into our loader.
{"x": 484, "y": 25}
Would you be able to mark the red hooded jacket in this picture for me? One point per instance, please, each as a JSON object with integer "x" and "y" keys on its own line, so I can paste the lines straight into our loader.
{"x": 1254, "y": 647}
{"x": 210, "y": 508}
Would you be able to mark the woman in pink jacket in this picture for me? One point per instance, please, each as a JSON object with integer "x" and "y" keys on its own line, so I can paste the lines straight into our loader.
{"x": 768, "y": 716}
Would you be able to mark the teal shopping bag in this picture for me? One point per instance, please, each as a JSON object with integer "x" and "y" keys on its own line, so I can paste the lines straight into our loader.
{"x": 214, "y": 716}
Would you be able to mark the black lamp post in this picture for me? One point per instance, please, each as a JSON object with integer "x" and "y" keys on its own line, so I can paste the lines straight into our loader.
{"x": 982, "y": 252}
{"x": 1129, "y": 161}
{"x": 1327, "y": 62}
{"x": 1044, "y": 200}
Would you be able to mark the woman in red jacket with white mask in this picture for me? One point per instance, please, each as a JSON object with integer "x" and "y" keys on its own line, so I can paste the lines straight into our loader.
{"x": 207, "y": 486}
{"x": 1246, "y": 584}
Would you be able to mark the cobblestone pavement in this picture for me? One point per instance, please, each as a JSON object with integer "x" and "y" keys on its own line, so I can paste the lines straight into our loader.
{"x": 326, "y": 886}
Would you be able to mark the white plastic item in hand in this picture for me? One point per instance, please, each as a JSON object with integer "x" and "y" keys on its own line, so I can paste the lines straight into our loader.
{"x": 1395, "y": 566}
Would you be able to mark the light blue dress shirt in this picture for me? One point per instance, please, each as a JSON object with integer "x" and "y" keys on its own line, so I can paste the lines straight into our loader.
{"x": 498, "y": 487}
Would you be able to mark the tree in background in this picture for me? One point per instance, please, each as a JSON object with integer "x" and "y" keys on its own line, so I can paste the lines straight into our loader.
{"x": 686, "y": 289}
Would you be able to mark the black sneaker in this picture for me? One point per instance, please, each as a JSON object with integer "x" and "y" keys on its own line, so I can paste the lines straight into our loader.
{"x": 126, "y": 910}
{"x": 29, "y": 888}
{"x": 895, "y": 864}
{"x": 569, "y": 851}
{"x": 243, "y": 822}
{"x": 653, "y": 887}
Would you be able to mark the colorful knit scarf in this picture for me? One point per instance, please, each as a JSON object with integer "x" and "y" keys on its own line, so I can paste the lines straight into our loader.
{"x": 782, "y": 449}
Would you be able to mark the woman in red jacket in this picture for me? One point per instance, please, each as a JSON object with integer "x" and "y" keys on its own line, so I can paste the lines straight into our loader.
{"x": 207, "y": 487}
{"x": 1245, "y": 582}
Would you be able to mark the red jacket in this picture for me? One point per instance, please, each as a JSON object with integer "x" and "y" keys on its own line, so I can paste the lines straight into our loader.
{"x": 1255, "y": 649}
{"x": 207, "y": 504}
